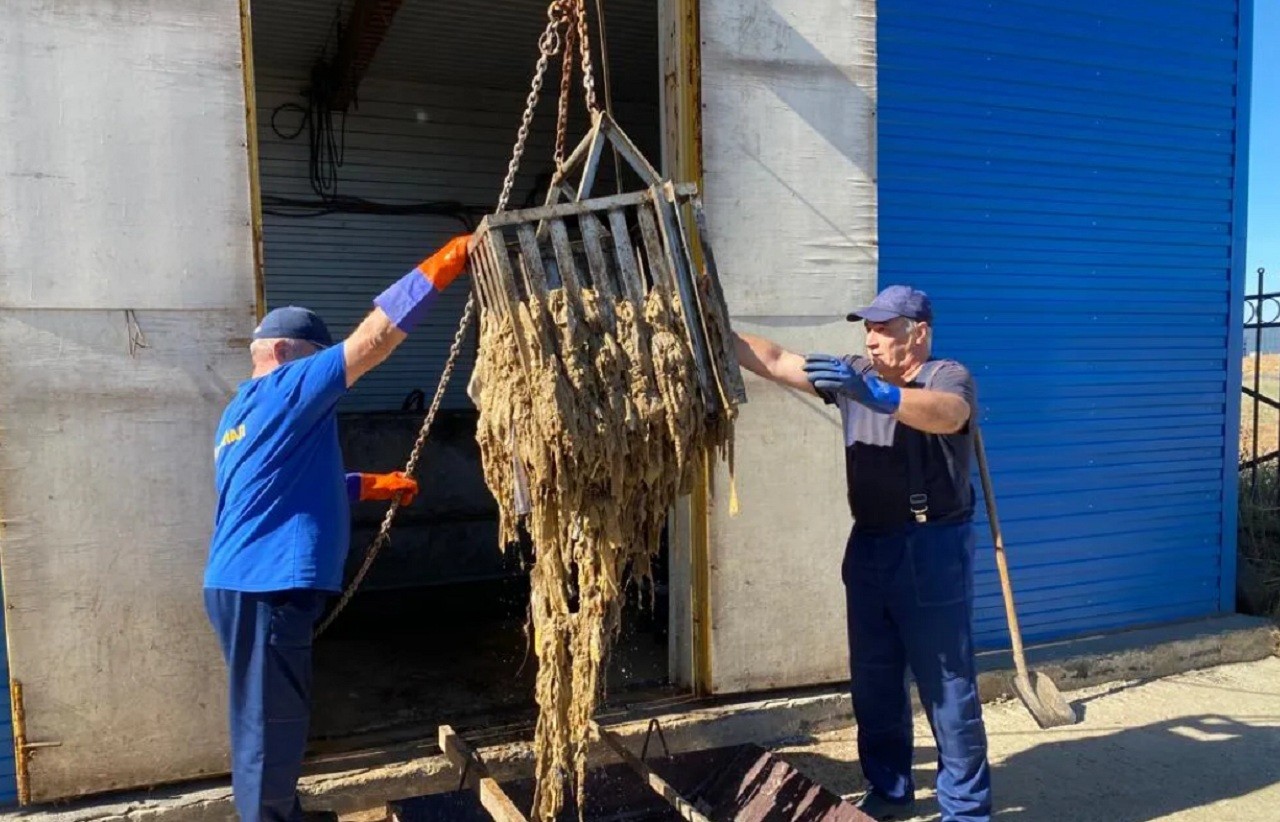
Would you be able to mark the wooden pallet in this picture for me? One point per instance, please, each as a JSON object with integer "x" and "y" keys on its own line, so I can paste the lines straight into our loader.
{"x": 743, "y": 783}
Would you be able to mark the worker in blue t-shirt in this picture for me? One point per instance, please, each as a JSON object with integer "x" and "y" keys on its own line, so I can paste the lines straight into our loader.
{"x": 908, "y": 564}
{"x": 281, "y": 525}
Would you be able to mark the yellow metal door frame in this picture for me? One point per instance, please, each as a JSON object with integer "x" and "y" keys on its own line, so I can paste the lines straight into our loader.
{"x": 251, "y": 145}
{"x": 682, "y": 160}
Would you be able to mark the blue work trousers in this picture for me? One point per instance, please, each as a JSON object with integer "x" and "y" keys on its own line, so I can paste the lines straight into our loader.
{"x": 909, "y": 599}
{"x": 266, "y": 640}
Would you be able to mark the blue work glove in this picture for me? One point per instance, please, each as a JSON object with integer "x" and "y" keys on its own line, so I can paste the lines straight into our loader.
{"x": 835, "y": 376}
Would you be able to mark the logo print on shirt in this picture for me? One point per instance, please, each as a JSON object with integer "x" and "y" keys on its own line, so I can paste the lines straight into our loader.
{"x": 232, "y": 435}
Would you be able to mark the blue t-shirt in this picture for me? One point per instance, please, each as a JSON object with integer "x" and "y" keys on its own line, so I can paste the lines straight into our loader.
{"x": 282, "y": 519}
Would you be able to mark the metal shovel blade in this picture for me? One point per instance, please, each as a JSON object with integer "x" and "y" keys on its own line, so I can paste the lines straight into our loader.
{"x": 1046, "y": 703}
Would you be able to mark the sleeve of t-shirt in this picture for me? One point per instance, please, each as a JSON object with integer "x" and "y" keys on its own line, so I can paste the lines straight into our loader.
{"x": 954, "y": 378}
{"x": 316, "y": 383}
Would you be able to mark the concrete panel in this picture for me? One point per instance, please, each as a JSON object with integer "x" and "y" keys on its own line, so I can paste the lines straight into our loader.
{"x": 126, "y": 304}
{"x": 789, "y": 136}
{"x": 789, "y": 151}
{"x": 123, "y": 175}
{"x": 105, "y": 485}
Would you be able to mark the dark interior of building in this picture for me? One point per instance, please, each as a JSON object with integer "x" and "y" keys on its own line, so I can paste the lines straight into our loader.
{"x": 385, "y": 128}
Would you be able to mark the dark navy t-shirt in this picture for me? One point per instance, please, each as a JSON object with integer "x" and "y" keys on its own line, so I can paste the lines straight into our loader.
{"x": 282, "y": 519}
{"x": 876, "y": 456}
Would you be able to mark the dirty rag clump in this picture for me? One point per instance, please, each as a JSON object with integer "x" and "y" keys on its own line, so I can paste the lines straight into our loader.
{"x": 591, "y": 425}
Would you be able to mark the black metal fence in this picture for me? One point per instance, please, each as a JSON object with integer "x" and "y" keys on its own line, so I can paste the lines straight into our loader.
{"x": 1261, "y": 387}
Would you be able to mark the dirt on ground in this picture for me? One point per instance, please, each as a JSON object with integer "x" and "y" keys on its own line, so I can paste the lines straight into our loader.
{"x": 1200, "y": 746}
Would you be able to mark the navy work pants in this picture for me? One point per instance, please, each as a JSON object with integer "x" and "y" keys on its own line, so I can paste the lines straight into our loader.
{"x": 909, "y": 598}
{"x": 266, "y": 640}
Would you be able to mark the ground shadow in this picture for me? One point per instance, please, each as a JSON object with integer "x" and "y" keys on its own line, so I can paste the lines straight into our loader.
{"x": 1122, "y": 775}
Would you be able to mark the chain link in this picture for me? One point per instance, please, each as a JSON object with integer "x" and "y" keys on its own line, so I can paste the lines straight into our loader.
{"x": 566, "y": 78}
{"x": 584, "y": 43}
{"x": 548, "y": 44}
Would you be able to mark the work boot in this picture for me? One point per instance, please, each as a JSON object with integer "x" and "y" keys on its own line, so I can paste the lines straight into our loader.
{"x": 877, "y": 807}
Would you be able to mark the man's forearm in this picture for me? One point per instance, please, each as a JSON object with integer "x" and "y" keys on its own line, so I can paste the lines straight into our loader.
{"x": 370, "y": 344}
{"x": 767, "y": 359}
{"x": 753, "y": 351}
{"x": 933, "y": 412}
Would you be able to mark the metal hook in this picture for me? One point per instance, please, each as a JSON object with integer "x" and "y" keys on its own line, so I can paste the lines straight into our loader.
{"x": 654, "y": 724}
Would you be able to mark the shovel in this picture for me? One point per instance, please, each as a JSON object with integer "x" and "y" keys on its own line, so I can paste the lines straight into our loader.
{"x": 1046, "y": 703}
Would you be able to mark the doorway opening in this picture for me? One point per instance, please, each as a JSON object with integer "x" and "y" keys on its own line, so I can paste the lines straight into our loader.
{"x": 383, "y": 129}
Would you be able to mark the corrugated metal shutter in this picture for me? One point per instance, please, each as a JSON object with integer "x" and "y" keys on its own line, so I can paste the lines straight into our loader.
{"x": 1060, "y": 177}
{"x": 446, "y": 144}
{"x": 407, "y": 143}
{"x": 8, "y": 770}
{"x": 412, "y": 141}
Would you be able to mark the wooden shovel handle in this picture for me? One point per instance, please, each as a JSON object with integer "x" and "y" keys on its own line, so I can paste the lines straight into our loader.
{"x": 1002, "y": 564}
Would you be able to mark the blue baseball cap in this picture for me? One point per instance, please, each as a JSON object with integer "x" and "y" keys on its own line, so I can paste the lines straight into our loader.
{"x": 294, "y": 322}
{"x": 896, "y": 301}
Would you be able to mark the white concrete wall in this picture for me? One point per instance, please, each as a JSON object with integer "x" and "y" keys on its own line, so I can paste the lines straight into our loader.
{"x": 123, "y": 188}
{"x": 788, "y": 90}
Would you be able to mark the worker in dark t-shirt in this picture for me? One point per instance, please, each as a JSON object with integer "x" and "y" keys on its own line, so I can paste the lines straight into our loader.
{"x": 908, "y": 564}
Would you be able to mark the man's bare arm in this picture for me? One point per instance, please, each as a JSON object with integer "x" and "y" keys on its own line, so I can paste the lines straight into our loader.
{"x": 767, "y": 359}
{"x": 370, "y": 344}
{"x": 933, "y": 412}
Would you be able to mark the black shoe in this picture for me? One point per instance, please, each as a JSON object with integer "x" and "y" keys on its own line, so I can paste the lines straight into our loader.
{"x": 319, "y": 816}
{"x": 877, "y": 807}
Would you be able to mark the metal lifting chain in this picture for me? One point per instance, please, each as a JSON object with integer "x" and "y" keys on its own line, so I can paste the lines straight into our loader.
{"x": 380, "y": 541}
{"x": 584, "y": 43}
{"x": 548, "y": 44}
{"x": 560, "y": 12}
{"x": 562, "y": 113}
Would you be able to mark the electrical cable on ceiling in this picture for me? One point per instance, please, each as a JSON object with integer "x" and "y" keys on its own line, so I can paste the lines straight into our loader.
{"x": 467, "y": 215}
{"x": 327, "y": 151}
{"x": 327, "y": 145}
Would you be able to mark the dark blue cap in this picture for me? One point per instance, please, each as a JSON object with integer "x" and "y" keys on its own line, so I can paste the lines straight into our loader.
{"x": 292, "y": 322}
{"x": 896, "y": 301}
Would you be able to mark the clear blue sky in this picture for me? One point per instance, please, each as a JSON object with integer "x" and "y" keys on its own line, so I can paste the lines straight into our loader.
{"x": 1264, "y": 146}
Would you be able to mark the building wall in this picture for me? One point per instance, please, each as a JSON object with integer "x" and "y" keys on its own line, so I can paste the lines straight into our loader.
{"x": 126, "y": 302}
{"x": 788, "y": 92}
{"x": 405, "y": 144}
{"x": 1099, "y": 204}
{"x": 1062, "y": 179}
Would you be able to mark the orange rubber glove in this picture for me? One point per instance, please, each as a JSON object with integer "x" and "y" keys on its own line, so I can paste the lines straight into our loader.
{"x": 445, "y": 265}
{"x": 365, "y": 487}
{"x": 409, "y": 298}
